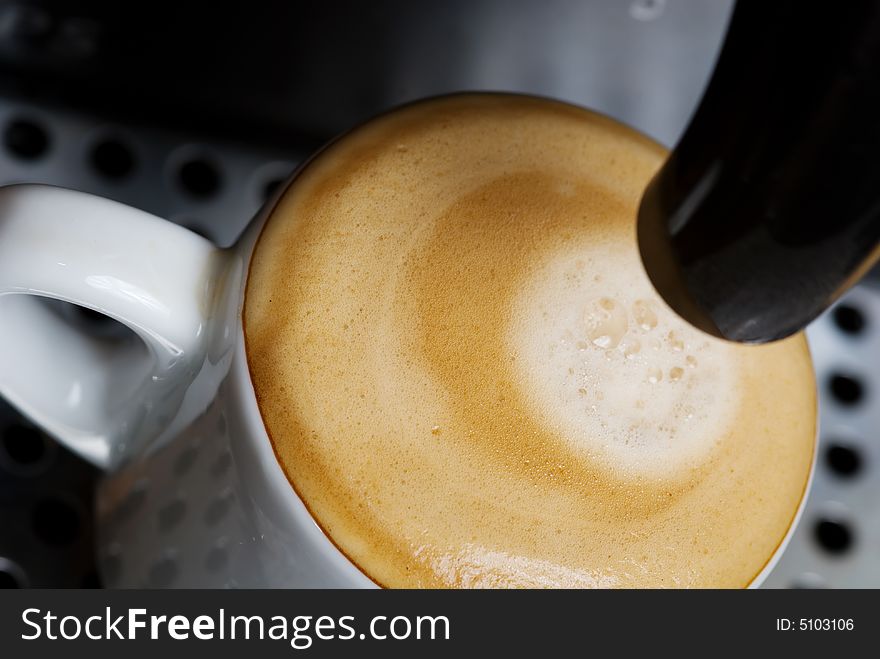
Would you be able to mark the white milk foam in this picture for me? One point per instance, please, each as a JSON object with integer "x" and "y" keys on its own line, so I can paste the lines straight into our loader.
{"x": 627, "y": 381}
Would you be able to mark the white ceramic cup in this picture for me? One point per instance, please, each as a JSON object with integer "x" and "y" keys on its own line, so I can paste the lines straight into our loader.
{"x": 192, "y": 494}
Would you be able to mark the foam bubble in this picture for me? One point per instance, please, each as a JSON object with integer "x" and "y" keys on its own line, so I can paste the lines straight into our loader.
{"x": 631, "y": 347}
{"x": 644, "y": 315}
{"x": 675, "y": 342}
{"x": 605, "y": 323}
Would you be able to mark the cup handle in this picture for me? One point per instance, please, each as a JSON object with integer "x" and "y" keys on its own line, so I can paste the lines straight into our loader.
{"x": 100, "y": 398}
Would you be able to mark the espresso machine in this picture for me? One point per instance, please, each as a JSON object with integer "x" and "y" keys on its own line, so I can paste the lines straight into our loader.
{"x": 767, "y": 210}
{"x": 197, "y": 116}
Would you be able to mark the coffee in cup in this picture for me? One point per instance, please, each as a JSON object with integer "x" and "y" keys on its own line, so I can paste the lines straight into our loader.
{"x": 470, "y": 382}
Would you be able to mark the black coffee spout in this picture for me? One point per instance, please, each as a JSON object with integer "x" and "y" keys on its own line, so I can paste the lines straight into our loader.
{"x": 768, "y": 209}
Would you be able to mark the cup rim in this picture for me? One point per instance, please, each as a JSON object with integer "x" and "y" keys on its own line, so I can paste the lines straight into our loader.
{"x": 774, "y": 559}
{"x": 281, "y": 493}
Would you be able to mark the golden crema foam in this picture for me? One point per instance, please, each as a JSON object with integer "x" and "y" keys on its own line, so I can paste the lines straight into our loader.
{"x": 470, "y": 381}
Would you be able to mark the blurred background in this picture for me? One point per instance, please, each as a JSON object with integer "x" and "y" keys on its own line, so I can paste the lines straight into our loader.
{"x": 196, "y": 113}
